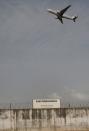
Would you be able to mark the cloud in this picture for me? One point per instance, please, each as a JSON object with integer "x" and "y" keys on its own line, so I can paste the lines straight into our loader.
{"x": 54, "y": 96}
{"x": 79, "y": 95}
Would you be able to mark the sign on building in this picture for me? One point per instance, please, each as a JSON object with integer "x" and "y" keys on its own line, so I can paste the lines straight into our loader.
{"x": 45, "y": 103}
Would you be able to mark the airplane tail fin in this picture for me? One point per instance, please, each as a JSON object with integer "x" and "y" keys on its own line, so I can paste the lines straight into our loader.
{"x": 74, "y": 18}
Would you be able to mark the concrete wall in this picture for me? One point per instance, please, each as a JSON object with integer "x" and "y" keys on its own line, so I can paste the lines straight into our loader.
{"x": 44, "y": 119}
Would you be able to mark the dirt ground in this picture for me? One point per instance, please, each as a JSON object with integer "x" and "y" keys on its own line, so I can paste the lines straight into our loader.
{"x": 43, "y": 129}
{"x": 47, "y": 129}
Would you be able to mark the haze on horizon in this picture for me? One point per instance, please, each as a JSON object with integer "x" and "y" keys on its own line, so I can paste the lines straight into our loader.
{"x": 39, "y": 56}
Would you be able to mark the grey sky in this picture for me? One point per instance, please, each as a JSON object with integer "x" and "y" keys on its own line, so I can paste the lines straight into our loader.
{"x": 39, "y": 56}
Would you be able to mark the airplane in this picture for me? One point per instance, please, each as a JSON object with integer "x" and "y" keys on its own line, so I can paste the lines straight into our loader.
{"x": 60, "y": 14}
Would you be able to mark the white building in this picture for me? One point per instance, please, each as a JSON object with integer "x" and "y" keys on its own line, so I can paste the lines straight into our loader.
{"x": 45, "y": 103}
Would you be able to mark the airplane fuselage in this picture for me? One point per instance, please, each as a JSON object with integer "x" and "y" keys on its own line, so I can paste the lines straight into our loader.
{"x": 67, "y": 17}
{"x": 52, "y": 12}
{"x": 58, "y": 14}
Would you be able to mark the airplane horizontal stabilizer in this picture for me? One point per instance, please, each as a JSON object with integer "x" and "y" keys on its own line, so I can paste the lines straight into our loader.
{"x": 74, "y": 18}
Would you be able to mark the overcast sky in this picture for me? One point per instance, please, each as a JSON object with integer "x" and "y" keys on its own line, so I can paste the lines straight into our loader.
{"x": 40, "y": 57}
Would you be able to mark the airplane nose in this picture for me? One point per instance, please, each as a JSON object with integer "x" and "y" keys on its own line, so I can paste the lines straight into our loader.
{"x": 48, "y": 9}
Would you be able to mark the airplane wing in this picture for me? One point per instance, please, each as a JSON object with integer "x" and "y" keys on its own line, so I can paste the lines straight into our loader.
{"x": 64, "y": 10}
{"x": 61, "y": 20}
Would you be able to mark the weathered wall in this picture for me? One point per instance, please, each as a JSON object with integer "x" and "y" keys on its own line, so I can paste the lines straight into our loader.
{"x": 48, "y": 119}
